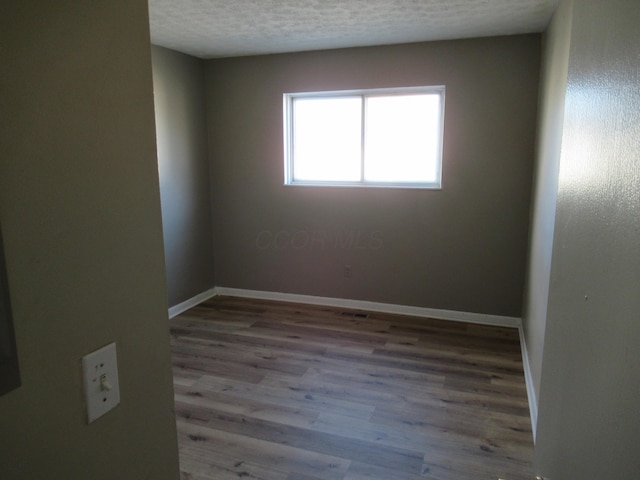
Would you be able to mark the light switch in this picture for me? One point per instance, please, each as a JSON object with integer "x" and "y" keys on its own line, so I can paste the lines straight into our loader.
{"x": 101, "y": 388}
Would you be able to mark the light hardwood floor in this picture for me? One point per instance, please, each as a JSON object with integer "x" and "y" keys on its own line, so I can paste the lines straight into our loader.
{"x": 279, "y": 391}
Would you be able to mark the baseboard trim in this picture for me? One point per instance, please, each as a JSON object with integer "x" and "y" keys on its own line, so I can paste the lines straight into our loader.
{"x": 192, "y": 302}
{"x": 479, "y": 318}
{"x": 528, "y": 380}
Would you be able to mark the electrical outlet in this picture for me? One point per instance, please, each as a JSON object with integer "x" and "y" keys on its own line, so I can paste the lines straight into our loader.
{"x": 100, "y": 375}
{"x": 347, "y": 271}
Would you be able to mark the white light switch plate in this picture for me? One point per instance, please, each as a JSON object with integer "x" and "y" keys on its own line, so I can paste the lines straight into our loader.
{"x": 100, "y": 375}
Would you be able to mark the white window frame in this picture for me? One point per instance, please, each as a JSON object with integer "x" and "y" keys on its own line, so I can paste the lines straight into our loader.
{"x": 289, "y": 99}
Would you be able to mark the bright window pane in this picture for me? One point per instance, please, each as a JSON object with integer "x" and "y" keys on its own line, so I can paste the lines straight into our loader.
{"x": 402, "y": 138}
{"x": 327, "y": 139}
{"x": 365, "y": 138}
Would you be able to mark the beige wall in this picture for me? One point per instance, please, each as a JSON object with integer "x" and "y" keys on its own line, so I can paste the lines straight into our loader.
{"x": 589, "y": 425}
{"x": 553, "y": 85}
{"x": 183, "y": 166}
{"x": 80, "y": 213}
{"x": 461, "y": 248}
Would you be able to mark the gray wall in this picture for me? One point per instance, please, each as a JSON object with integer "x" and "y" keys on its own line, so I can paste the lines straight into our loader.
{"x": 589, "y": 425}
{"x": 461, "y": 248}
{"x": 553, "y": 86}
{"x": 80, "y": 213}
{"x": 183, "y": 166}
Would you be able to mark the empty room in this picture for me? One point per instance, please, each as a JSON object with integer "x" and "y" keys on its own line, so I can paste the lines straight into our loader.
{"x": 319, "y": 240}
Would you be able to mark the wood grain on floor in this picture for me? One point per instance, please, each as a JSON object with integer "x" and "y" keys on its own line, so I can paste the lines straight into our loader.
{"x": 279, "y": 391}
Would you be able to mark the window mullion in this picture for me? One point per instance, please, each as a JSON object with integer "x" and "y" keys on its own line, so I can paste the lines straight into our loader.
{"x": 362, "y": 133}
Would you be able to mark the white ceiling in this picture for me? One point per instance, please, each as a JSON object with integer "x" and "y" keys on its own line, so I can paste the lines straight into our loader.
{"x": 227, "y": 28}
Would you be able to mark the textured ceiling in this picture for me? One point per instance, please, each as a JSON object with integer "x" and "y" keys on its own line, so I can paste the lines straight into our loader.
{"x": 226, "y": 28}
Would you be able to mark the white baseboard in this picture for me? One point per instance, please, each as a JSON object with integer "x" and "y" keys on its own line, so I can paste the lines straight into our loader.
{"x": 192, "y": 302}
{"x": 480, "y": 318}
{"x": 528, "y": 380}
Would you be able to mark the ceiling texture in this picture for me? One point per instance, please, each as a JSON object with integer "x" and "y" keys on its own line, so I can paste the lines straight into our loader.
{"x": 230, "y": 28}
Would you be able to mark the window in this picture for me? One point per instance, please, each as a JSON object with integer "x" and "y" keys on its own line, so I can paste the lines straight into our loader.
{"x": 370, "y": 138}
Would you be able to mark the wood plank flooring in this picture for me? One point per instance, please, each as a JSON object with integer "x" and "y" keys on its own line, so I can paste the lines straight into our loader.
{"x": 279, "y": 391}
